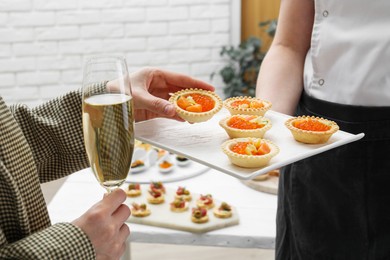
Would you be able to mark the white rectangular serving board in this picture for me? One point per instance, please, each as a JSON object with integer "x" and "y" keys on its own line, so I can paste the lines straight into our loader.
{"x": 202, "y": 142}
{"x": 162, "y": 216}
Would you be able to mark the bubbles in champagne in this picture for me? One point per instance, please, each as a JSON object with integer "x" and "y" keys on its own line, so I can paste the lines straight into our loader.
{"x": 108, "y": 124}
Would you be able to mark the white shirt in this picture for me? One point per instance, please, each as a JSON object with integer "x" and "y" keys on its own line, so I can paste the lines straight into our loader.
{"x": 349, "y": 59}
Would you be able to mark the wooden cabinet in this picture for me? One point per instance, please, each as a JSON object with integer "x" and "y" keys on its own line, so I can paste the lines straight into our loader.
{"x": 252, "y": 13}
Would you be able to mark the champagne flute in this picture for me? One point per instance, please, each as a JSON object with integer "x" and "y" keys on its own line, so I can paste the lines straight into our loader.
{"x": 108, "y": 119}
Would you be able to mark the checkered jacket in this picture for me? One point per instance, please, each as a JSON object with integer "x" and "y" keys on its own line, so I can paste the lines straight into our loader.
{"x": 39, "y": 145}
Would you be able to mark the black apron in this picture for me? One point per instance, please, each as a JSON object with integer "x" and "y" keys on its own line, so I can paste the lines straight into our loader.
{"x": 336, "y": 205}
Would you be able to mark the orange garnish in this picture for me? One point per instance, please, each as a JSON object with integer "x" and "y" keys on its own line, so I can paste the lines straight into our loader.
{"x": 183, "y": 102}
{"x": 194, "y": 108}
{"x": 196, "y": 102}
{"x": 205, "y": 101}
{"x": 243, "y": 123}
{"x": 310, "y": 124}
{"x": 247, "y": 104}
{"x": 253, "y": 149}
{"x": 263, "y": 149}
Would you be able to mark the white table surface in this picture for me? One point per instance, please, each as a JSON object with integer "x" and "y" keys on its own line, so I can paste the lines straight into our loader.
{"x": 257, "y": 211}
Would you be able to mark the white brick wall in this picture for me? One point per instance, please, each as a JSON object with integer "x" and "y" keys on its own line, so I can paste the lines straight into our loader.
{"x": 43, "y": 43}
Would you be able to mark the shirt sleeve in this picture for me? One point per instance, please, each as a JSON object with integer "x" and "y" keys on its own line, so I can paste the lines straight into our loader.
{"x": 60, "y": 241}
{"x": 54, "y": 133}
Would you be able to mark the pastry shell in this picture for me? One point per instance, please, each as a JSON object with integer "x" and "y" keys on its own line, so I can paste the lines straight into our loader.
{"x": 262, "y": 177}
{"x": 267, "y": 175}
{"x": 200, "y": 220}
{"x": 140, "y": 213}
{"x": 247, "y": 111}
{"x": 249, "y": 161}
{"x": 222, "y": 213}
{"x": 184, "y": 197}
{"x": 311, "y": 137}
{"x": 133, "y": 193}
{"x": 196, "y": 117}
{"x": 201, "y": 204}
{"x": 153, "y": 200}
{"x": 158, "y": 200}
{"x": 242, "y": 133}
{"x": 178, "y": 210}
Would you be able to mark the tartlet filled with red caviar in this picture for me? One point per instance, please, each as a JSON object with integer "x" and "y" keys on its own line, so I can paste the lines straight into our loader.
{"x": 196, "y": 105}
{"x": 311, "y": 129}
{"x": 250, "y": 152}
{"x": 237, "y": 126}
{"x": 247, "y": 105}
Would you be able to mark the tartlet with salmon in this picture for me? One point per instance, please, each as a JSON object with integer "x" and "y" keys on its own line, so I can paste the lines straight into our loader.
{"x": 247, "y": 105}
{"x": 250, "y": 152}
{"x": 311, "y": 129}
{"x": 237, "y": 126}
{"x": 196, "y": 105}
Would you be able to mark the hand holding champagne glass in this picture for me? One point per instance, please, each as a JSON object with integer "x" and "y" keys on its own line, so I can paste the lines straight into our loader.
{"x": 108, "y": 119}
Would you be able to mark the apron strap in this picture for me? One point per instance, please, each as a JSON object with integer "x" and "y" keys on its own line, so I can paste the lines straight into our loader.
{"x": 350, "y": 113}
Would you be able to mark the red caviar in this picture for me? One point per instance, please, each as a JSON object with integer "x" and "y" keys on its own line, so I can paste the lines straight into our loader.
{"x": 259, "y": 148}
{"x": 243, "y": 123}
{"x": 247, "y": 104}
{"x": 311, "y": 124}
{"x": 204, "y": 103}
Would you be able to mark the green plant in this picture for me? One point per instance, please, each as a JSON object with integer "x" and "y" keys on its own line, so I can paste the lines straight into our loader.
{"x": 243, "y": 63}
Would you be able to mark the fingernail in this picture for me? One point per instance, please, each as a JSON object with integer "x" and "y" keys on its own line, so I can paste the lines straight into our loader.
{"x": 169, "y": 109}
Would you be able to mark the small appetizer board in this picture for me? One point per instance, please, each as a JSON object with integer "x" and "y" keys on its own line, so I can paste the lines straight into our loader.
{"x": 161, "y": 215}
{"x": 202, "y": 142}
{"x": 167, "y": 168}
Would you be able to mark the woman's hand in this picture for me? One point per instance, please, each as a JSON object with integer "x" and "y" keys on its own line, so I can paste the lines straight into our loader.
{"x": 151, "y": 90}
{"x": 105, "y": 226}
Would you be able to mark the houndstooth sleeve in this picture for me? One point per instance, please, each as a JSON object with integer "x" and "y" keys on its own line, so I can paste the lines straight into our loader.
{"x": 60, "y": 241}
{"x": 54, "y": 133}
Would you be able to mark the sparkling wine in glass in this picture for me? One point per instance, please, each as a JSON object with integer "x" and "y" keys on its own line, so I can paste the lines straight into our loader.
{"x": 108, "y": 119}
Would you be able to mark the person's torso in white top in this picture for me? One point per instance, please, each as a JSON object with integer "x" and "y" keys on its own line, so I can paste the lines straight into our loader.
{"x": 349, "y": 59}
